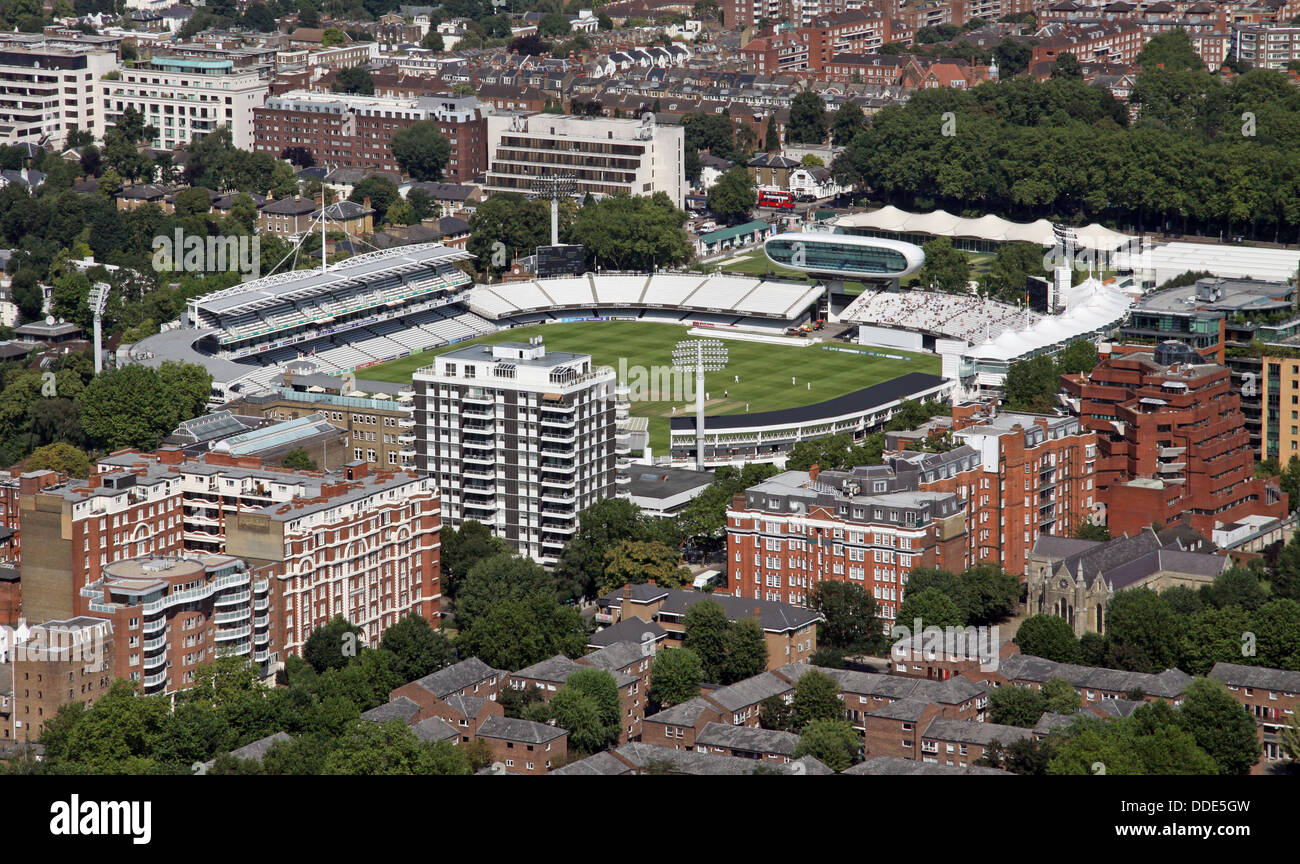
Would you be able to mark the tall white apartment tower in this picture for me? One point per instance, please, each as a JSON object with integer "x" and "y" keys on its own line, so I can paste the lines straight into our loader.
{"x": 47, "y": 89}
{"x": 603, "y": 155}
{"x": 519, "y": 438}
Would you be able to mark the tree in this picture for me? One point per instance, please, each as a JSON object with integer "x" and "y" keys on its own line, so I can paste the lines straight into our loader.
{"x": 332, "y": 36}
{"x": 772, "y": 137}
{"x": 391, "y": 748}
{"x": 299, "y": 460}
{"x": 355, "y": 79}
{"x": 1031, "y": 384}
{"x": 27, "y": 295}
{"x": 501, "y": 577}
{"x": 516, "y": 633}
{"x": 746, "y": 651}
{"x": 807, "y": 123}
{"x": 1092, "y": 531}
{"x": 945, "y": 268}
{"x": 715, "y": 133}
{"x": 381, "y": 191}
{"x": 733, "y": 197}
{"x": 775, "y": 713}
{"x": 816, "y": 697}
{"x": 1049, "y": 637}
{"x": 932, "y": 607}
{"x": 463, "y": 548}
{"x": 675, "y": 676}
{"x": 433, "y": 41}
{"x": 334, "y": 645}
{"x": 834, "y": 743}
{"x": 705, "y": 633}
{"x": 849, "y": 121}
{"x": 635, "y": 562}
{"x": 1237, "y": 586}
{"x": 554, "y": 24}
{"x": 851, "y": 615}
{"x": 1067, "y": 66}
{"x": 257, "y": 18}
{"x": 991, "y": 593}
{"x": 60, "y": 457}
{"x": 1059, "y": 696}
{"x": 506, "y": 225}
{"x": 421, "y": 150}
{"x": 1014, "y": 705}
{"x": 417, "y": 648}
{"x": 133, "y": 406}
{"x": 641, "y": 233}
{"x": 587, "y": 705}
{"x": 1222, "y": 727}
{"x": 602, "y": 526}
{"x": 1141, "y": 619}
{"x": 1013, "y": 57}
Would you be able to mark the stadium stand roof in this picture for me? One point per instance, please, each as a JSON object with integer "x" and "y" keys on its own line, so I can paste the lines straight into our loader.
{"x": 279, "y": 287}
{"x": 1236, "y": 262}
{"x": 908, "y": 386}
{"x": 739, "y": 295}
{"x": 1089, "y": 306}
{"x": 941, "y": 223}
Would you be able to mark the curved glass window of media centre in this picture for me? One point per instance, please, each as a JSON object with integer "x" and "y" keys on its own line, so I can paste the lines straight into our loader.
{"x": 829, "y": 256}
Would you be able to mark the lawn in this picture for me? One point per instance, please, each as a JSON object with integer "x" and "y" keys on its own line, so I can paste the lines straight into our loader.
{"x": 765, "y": 370}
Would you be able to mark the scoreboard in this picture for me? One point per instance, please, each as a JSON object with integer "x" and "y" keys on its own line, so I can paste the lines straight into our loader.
{"x": 564, "y": 260}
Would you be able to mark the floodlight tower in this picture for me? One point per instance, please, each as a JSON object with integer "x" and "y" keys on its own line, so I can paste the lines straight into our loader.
{"x": 703, "y": 355}
{"x": 97, "y": 300}
{"x": 555, "y": 187}
{"x": 1067, "y": 240}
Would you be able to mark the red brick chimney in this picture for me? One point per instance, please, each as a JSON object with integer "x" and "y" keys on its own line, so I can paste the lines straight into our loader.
{"x": 813, "y": 470}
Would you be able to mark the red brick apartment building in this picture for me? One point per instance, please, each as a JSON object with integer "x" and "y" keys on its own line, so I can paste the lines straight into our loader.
{"x": 171, "y": 615}
{"x": 1172, "y": 442}
{"x": 358, "y": 543}
{"x": 890, "y": 710}
{"x": 800, "y": 528}
{"x": 1014, "y": 477}
{"x": 350, "y": 131}
{"x": 961, "y": 743}
{"x": 53, "y": 664}
{"x": 1271, "y": 697}
{"x": 790, "y": 632}
{"x": 1094, "y": 684}
{"x": 548, "y": 676}
{"x": 460, "y": 702}
{"x": 1096, "y": 42}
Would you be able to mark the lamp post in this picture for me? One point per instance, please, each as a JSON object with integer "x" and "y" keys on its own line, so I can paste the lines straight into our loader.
{"x": 703, "y": 355}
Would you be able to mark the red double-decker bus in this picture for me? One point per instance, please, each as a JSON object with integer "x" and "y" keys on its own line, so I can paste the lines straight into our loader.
{"x": 775, "y": 199}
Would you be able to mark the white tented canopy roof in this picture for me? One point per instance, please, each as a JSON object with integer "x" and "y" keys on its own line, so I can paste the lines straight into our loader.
{"x": 1089, "y": 306}
{"x": 1229, "y": 262}
{"x": 941, "y": 223}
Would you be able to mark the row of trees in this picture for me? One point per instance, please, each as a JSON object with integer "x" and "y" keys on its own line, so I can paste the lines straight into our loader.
{"x": 1237, "y": 619}
{"x": 981, "y": 595}
{"x": 619, "y": 232}
{"x": 1203, "y": 156}
{"x": 135, "y": 406}
{"x": 1210, "y": 733}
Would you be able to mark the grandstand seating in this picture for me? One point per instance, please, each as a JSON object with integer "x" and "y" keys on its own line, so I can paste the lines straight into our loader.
{"x": 745, "y": 296}
{"x": 961, "y": 316}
